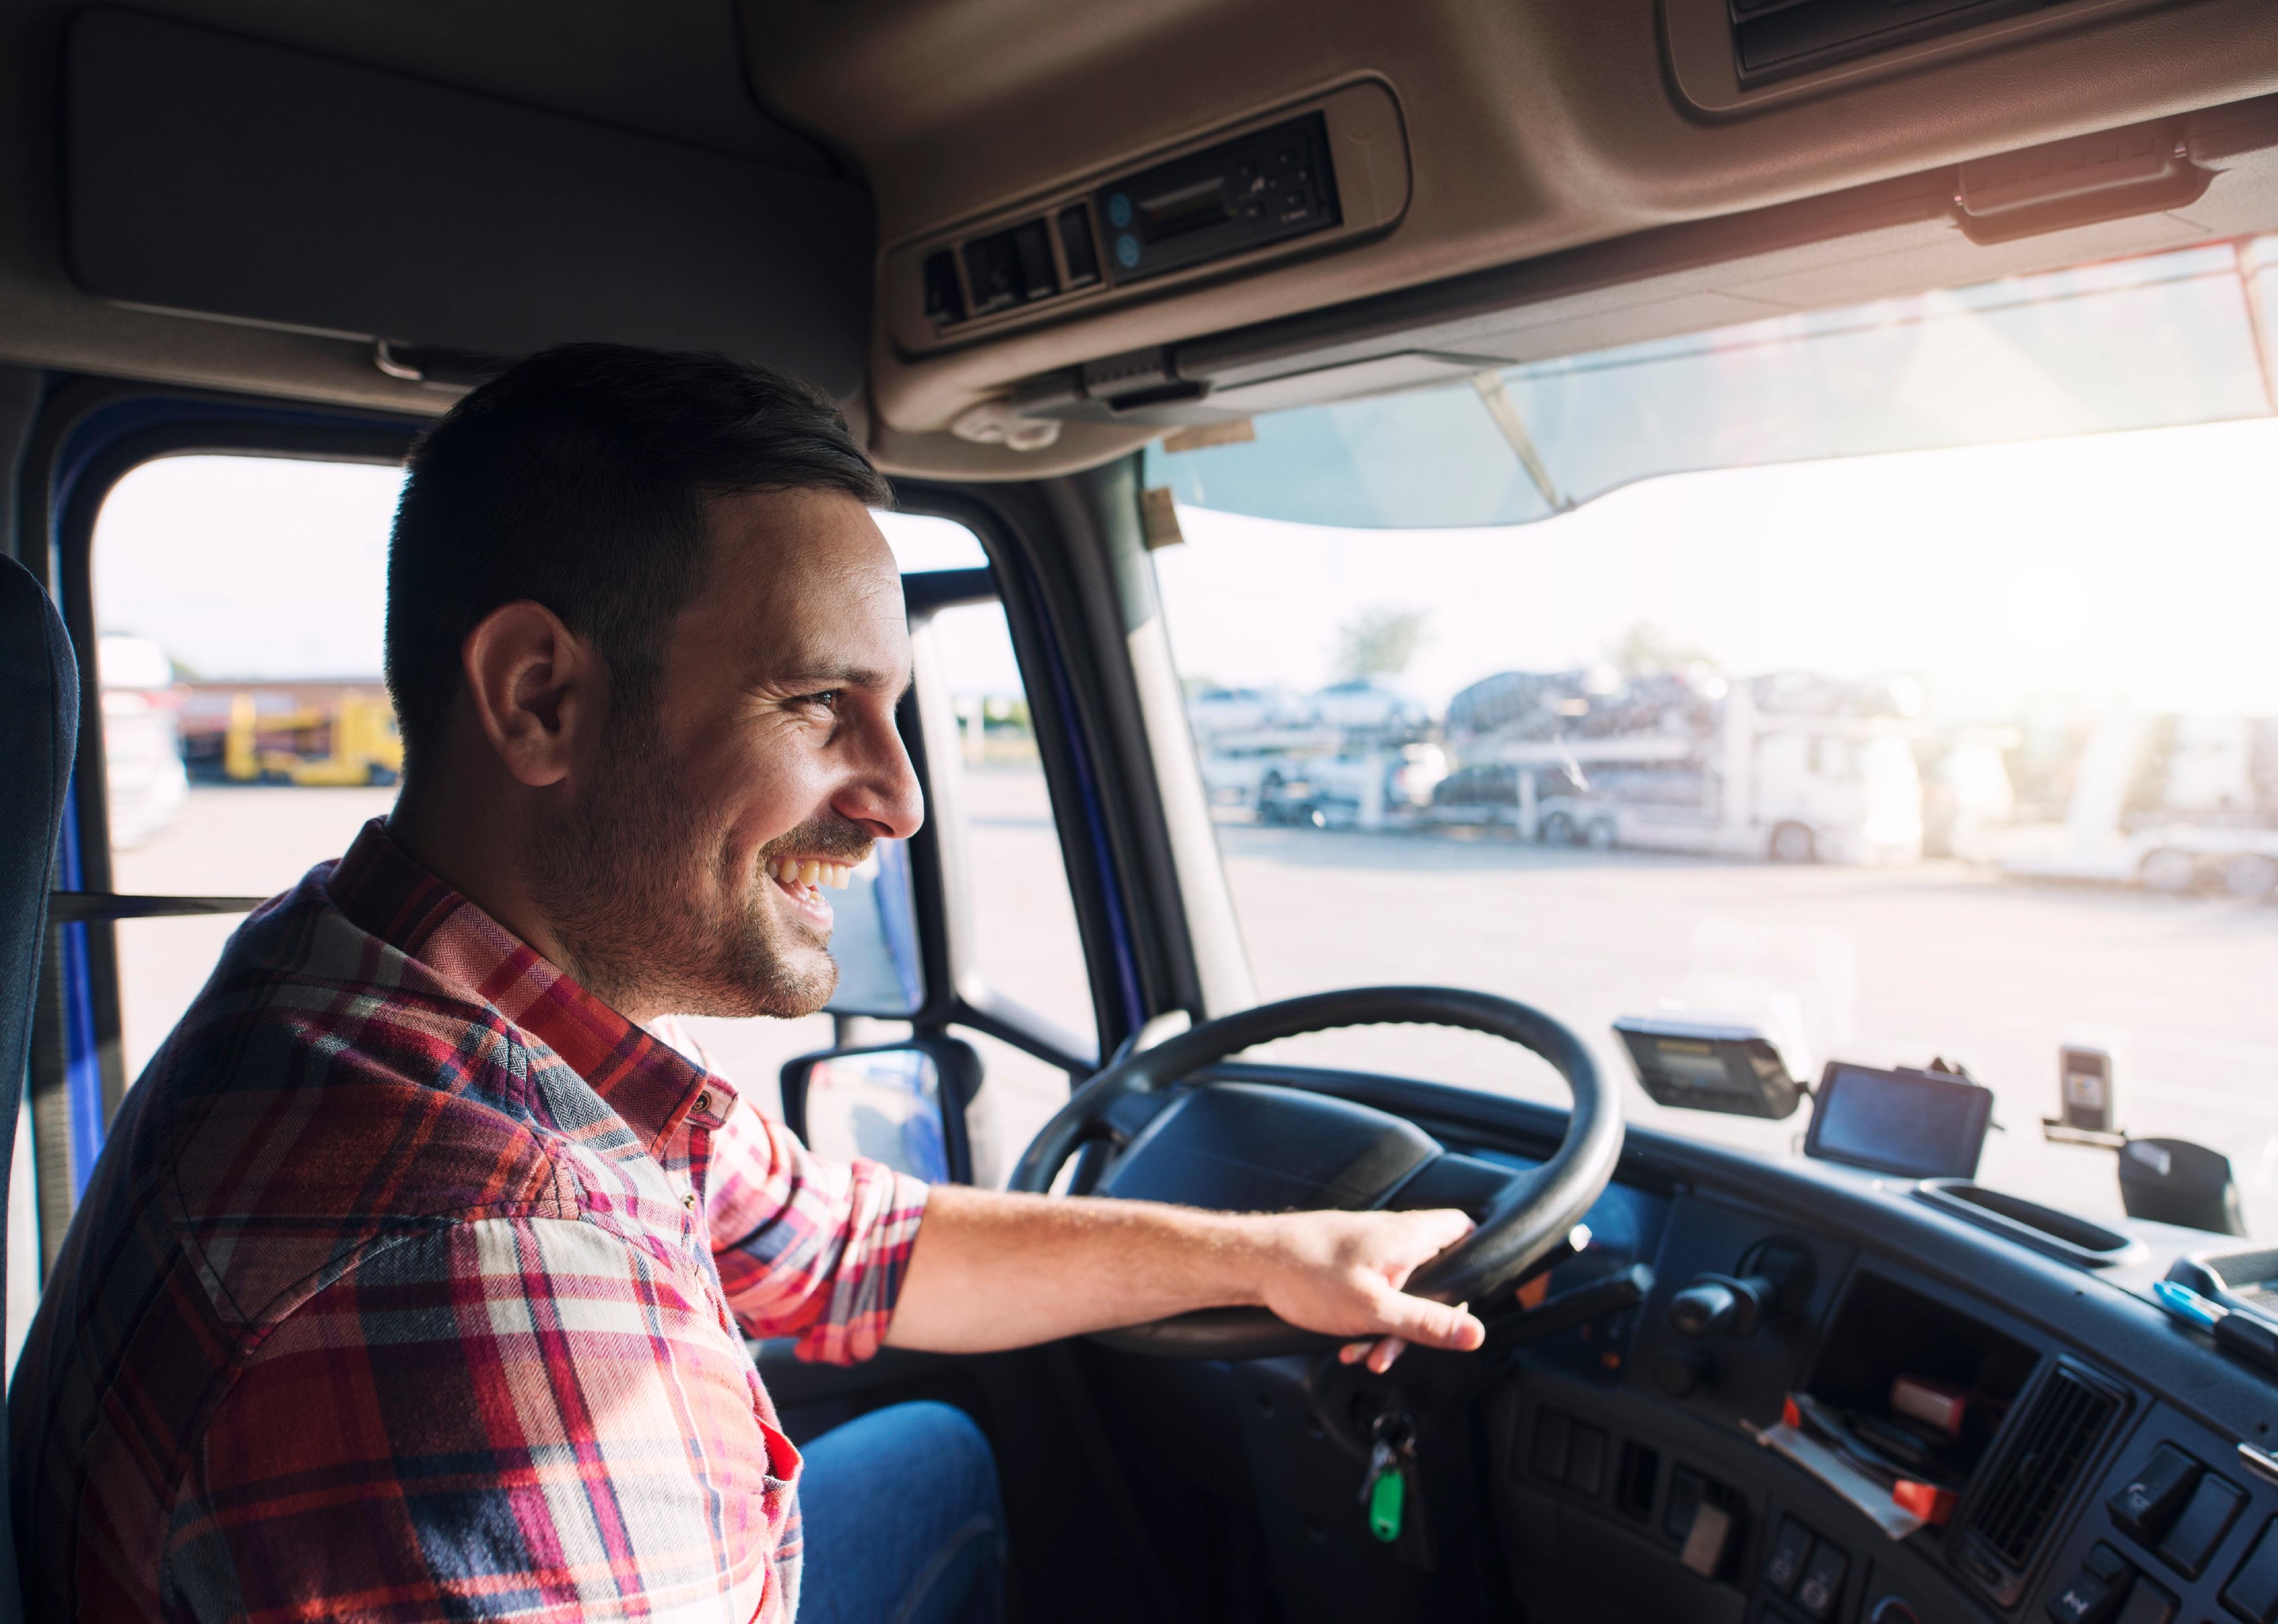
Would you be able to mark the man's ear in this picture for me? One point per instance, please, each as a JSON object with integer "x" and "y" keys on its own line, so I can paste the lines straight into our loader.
{"x": 534, "y": 684}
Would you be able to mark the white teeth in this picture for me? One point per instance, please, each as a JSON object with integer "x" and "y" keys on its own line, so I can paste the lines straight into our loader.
{"x": 812, "y": 872}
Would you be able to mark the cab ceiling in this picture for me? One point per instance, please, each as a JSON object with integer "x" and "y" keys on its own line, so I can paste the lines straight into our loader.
{"x": 1550, "y": 143}
{"x": 1534, "y": 127}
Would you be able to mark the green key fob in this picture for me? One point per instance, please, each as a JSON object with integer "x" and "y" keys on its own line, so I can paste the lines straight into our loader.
{"x": 1387, "y": 1498}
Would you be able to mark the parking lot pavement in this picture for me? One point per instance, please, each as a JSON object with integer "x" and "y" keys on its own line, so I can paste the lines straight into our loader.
{"x": 1886, "y": 967}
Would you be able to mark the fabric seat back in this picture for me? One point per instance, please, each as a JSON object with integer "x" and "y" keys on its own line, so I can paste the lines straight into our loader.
{"x": 39, "y": 730}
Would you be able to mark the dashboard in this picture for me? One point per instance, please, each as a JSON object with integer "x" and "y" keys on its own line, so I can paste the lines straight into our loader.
{"x": 1632, "y": 1476}
{"x": 2114, "y": 1468}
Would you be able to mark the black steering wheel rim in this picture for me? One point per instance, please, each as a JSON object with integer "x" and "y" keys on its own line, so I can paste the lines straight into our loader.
{"x": 1531, "y": 1215}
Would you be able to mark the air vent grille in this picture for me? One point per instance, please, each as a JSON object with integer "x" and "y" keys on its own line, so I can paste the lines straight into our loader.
{"x": 2057, "y": 1437}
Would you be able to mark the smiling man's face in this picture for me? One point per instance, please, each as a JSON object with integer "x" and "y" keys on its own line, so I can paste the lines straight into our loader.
{"x": 692, "y": 872}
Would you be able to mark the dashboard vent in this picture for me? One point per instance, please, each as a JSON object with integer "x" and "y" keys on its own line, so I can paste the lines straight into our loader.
{"x": 2055, "y": 1439}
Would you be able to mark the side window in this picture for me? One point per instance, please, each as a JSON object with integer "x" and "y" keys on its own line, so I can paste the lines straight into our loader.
{"x": 247, "y": 734}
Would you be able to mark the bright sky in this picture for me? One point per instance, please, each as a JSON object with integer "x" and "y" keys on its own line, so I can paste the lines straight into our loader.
{"x": 2140, "y": 565}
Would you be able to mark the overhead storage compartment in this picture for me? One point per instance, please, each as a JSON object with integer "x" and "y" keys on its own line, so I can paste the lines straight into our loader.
{"x": 222, "y": 176}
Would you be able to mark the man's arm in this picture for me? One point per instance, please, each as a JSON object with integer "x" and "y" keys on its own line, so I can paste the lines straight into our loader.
{"x": 991, "y": 1270}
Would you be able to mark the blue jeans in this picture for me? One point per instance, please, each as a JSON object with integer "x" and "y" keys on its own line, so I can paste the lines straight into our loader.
{"x": 903, "y": 1522}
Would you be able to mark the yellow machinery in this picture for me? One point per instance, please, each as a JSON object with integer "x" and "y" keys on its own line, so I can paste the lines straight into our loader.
{"x": 362, "y": 746}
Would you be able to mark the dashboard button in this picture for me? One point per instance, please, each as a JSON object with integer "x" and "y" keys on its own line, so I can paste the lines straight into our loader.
{"x": 2252, "y": 1591}
{"x": 944, "y": 301}
{"x": 2148, "y": 1501}
{"x": 1076, "y": 247}
{"x": 1784, "y": 1564}
{"x": 1033, "y": 249}
{"x": 1585, "y": 1461}
{"x": 2093, "y": 1594}
{"x": 1710, "y": 1541}
{"x": 2214, "y": 1505}
{"x": 1554, "y": 1429}
{"x": 1823, "y": 1581}
{"x": 2086, "y": 1599}
{"x": 2146, "y": 1604}
{"x": 1684, "y": 1504}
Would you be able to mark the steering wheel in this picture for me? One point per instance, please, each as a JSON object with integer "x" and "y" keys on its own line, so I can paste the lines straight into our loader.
{"x": 1249, "y": 1147}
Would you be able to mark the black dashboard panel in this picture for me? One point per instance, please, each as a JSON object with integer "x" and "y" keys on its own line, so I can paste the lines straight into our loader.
{"x": 1620, "y": 1471}
{"x": 2044, "y": 1530}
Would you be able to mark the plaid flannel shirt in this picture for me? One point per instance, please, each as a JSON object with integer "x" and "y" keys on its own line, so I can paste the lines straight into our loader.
{"x": 411, "y": 1285}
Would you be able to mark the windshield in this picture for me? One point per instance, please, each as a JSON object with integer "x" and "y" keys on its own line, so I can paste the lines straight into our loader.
{"x": 1905, "y": 694}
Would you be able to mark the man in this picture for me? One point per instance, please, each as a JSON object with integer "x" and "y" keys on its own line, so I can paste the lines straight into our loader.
{"x": 413, "y": 1279}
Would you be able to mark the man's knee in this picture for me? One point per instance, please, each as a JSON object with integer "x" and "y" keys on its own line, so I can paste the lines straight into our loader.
{"x": 943, "y": 1448}
{"x": 932, "y": 1452}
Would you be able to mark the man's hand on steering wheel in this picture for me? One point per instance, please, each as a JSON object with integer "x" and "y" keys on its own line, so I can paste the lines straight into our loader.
{"x": 1341, "y": 1273}
{"x": 1372, "y": 1278}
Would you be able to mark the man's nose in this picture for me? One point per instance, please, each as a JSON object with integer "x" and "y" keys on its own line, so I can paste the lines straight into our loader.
{"x": 884, "y": 797}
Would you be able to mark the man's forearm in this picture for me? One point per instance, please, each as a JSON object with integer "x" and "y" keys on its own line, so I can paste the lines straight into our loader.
{"x": 991, "y": 1270}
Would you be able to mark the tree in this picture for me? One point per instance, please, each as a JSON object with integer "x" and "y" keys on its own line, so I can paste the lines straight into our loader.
{"x": 1379, "y": 643}
{"x": 1646, "y": 650}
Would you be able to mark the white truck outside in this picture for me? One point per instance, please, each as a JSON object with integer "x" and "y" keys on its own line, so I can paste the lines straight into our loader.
{"x": 2174, "y": 803}
{"x": 1793, "y": 788}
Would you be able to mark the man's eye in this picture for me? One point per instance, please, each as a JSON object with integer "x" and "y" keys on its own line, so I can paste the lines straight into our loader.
{"x": 827, "y": 699}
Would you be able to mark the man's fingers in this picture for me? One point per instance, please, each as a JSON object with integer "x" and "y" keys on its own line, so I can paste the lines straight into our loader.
{"x": 1435, "y": 1325}
{"x": 1437, "y": 1230}
{"x": 1381, "y": 1357}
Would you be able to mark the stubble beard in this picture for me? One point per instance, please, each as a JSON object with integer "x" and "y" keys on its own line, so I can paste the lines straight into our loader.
{"x": 655, "y": 912}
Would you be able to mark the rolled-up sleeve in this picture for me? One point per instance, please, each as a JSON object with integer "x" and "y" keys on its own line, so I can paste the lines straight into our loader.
{"x": 806, "y": 1247}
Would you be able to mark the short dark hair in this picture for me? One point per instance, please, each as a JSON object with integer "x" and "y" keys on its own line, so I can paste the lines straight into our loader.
{"x": 580, "y": 479}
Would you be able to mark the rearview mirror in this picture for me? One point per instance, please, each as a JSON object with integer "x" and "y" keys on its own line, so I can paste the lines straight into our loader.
{"x": 902, "y": 1104}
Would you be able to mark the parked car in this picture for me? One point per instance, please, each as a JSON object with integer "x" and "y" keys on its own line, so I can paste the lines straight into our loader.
{"x": 142, "y": 749}
{"x": 1214, "y": 711}
{"x": 1365, "y": 703}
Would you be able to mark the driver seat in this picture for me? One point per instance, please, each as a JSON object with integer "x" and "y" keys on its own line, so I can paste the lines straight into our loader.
{"x": 39, "y": 733}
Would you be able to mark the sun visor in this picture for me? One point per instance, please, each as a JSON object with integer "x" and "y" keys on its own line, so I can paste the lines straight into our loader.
{"x": 221, "y": 176}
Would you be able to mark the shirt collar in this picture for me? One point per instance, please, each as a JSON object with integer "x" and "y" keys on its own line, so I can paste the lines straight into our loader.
{"x": 644, "y": 1080}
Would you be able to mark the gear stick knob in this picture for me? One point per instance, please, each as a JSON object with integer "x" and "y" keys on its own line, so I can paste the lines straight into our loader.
{"x": 1713, "y": 1307}
{"x": 1774, "y": 1282}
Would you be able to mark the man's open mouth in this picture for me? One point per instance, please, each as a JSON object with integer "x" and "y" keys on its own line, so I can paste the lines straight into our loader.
{"x": 803, "y": 879}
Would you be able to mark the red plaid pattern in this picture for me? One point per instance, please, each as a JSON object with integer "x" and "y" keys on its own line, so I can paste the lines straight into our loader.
{"x": 412, "y": 1284}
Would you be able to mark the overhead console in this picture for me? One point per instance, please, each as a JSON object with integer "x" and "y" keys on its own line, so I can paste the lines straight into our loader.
{"x": 1303, "y": 179}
